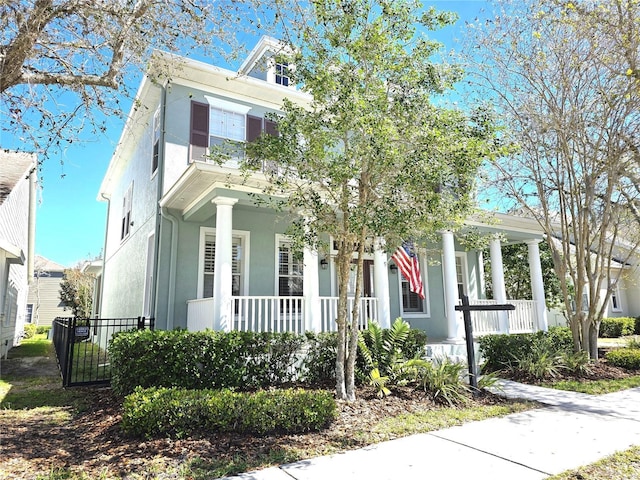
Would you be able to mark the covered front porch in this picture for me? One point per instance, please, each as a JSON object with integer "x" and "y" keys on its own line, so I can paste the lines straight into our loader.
{"x": 245, "y": 282}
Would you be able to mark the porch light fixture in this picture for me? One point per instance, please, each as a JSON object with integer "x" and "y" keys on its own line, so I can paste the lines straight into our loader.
{"x": 324, "y": 264}
{"x": 394, "y": 268}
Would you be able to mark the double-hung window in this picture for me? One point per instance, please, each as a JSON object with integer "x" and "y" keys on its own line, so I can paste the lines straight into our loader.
{"x": 290, "y": 270}
{"x": 411, "y": 302}
{"x": 217, "y": 124}
{"x": 208, "y": 259}
{"x": 282, "y": 74}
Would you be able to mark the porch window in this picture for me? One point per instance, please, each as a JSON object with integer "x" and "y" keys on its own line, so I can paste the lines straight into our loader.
{"x": 290, "y": 270}
{"x": 209, "y": 259}
{"x": 461, "y": 274}
{"x": 411, "y": 302}
{"x": 126, "y": 213}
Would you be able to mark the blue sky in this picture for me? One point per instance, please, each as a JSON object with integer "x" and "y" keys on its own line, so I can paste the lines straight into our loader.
{"x": 70, "y": 221}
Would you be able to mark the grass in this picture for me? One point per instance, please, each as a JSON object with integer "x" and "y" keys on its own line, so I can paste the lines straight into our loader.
{"x": 595, "y": 387}
{"x": 619, "y": 466}
{"x": 423, "y": 422}
{"x": 36, "y": 346}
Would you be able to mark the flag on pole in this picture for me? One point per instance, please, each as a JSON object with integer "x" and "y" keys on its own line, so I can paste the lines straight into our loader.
{"x": 407, "y": 261}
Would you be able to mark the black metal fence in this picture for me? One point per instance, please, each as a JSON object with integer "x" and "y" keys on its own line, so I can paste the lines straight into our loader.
{"x": 81, "y": 346}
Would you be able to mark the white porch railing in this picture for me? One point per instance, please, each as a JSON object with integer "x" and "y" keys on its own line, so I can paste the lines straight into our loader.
{"x": 329, "y": 310}
{"x": 269, "y": 314}
{"x": 521, "y": 320}
{"x": 275, "y": 314}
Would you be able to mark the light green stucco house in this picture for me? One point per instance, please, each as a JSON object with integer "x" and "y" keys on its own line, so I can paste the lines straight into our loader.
{"x": 172, "y": 213}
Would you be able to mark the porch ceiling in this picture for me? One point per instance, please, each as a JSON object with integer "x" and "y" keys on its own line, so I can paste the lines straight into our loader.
{"x": 513, "y": 228}
{"x": 191, "y": 195}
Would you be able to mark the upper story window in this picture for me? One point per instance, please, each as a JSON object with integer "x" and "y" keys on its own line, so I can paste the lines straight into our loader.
{"x": 126, "y": 222}
{"x": 282, "y": 74}
{"x": 155, "y": 141}
{"x": 218, "y": 122}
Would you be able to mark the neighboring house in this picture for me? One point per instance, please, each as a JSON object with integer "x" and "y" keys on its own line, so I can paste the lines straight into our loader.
{"x": 43, "y": 303}
{"x": 186, "y": 244}
{"x": 94, "y": 267}
{"x": 17, "y": 230}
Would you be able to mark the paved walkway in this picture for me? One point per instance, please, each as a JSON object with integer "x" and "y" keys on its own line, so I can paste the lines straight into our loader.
{"x": 573, "y": 429}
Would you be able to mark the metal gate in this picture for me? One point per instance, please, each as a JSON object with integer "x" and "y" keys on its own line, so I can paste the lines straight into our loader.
{"x": 82, "y": 344}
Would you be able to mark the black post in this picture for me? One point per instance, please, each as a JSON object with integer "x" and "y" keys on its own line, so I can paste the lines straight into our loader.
{"x": 140, "y": 323}
{"x": 471, "y": 354}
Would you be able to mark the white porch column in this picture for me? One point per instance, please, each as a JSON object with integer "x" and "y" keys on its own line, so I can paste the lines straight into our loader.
{"x": 381, "y": 283}
{"x": 450, "y": 287}
{"x": 311, "y": 291}
{"x": 537, "y": 285}
{"x": 222, "y": 270}
{"x": 497, "y": 281}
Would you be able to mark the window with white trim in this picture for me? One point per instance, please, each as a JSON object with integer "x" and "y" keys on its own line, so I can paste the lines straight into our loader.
{"x": 411, "y": 302}
{"x": 126, "y": 222}
{"x": 282, "y": 74}
{"x": 290, "y": 270}
{"x": 461, "y": 274}
{"x": 237, "y": 264}
{"x": 616, "y": 305}
{"x": 155, "y": 143}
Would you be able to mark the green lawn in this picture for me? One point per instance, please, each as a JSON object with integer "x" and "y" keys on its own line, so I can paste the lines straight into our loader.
{"x": 37, "y": 346}
{"x": 619, "y": 466}
{"x": 595, "y": 387}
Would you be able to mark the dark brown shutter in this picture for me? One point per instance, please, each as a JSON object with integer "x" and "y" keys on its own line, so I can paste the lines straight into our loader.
{"x": 271, "y": 127}
{"x": 254, "y": 128}
{"x": 199, "y": 130}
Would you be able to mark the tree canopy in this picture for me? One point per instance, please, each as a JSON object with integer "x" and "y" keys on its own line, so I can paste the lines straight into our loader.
{"x": 564, "y": 76}
{"x": 64, "y": 63}
{"x": 374, "y": 156}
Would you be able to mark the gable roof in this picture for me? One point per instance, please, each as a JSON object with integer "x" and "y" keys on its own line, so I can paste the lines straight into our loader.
{"x": 45, "y": 265}
{"x": 265, "y": 45}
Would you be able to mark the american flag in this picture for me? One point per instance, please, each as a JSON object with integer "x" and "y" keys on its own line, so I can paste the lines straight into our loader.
{"x": 407, "y": 261}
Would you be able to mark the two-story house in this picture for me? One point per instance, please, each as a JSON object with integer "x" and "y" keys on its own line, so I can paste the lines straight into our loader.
{"x": 17, "y": 242}
{"x": 186, "y": 243}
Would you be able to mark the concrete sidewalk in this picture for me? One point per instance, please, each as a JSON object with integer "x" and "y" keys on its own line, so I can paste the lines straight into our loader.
{"x": 574, "y": 429}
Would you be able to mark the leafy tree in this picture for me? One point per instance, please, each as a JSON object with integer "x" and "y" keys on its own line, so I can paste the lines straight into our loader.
{"x": 371, "y": 155}
{"x": 76, "y": 292}
{"x": 566, "y": 77}
{"x": 63, "y": 63}
{"x": 517, "y": 277}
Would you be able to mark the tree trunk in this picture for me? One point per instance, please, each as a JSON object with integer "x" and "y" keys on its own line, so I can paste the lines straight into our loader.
{"x": 343, "y": 259}
{"x": 593, "y": 340}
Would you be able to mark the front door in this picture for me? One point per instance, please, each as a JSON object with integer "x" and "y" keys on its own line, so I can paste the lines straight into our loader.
{"x": 367, "y": 279}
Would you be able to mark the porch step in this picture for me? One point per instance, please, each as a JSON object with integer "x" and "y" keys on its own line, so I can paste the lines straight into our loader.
{"x": 454, "y": 351}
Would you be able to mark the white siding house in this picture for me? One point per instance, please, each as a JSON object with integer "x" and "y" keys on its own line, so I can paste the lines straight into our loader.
{"x": 17, "y": 220}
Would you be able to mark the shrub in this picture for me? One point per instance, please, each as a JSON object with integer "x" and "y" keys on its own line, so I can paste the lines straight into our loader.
{"x": 30, "y": 330}
{"x": 540, "y": 362}
{"x": 202, "y": 360}
{"x": 577, "y": 363}
{"x": 501, "y": 351}
{"x": 441, "y": 379}
{"x": 319, "y": 364}
{"x": 180, "y": 412}
{"x": 636, "y": 330}
{"x": 624, "y": 357}
{"x": 633, "y": 342}
{"x": 387, "y": 349}
{"x": 617, "y": 327}
{"x": 43, "y": 329}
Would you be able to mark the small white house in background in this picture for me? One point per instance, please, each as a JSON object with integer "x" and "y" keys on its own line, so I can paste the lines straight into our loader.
{"x": 187, "y": 244}
{"x": 43, "y": 303}
{"x": 17, "y": 241}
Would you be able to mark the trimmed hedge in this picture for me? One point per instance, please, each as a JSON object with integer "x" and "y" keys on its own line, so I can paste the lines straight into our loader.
{"x": 614, "y": 327}
{"x": 624, "y": 357}
{"x": 202, "y": 360}
{"x": 43, "y": 329}
{"x": 319, "y": 365}
{"x": 500, "y": 351}
{"x": 636, "y": 330}
{"x": 180, "y": 412}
